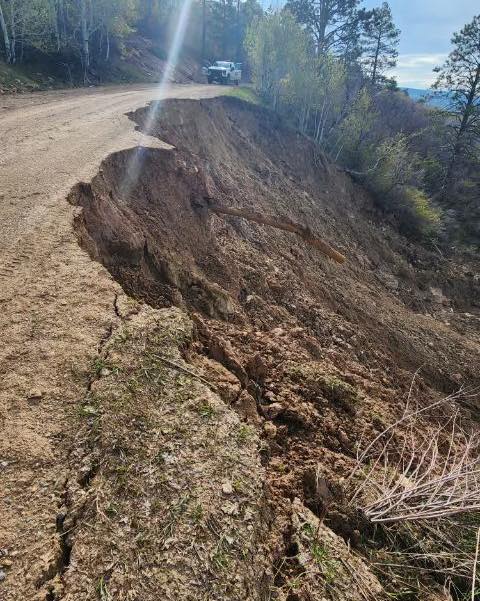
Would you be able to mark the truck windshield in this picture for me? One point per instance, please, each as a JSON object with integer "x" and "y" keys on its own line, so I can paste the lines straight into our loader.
{"x": 222, "y": 64}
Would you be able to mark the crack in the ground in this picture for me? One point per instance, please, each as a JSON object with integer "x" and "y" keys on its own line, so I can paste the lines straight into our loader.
{"x": 116, "y": 308}
{"x": 67, "y": 518}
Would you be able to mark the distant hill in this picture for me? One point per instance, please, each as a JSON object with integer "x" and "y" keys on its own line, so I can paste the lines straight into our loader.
{"x": 438, "y": 100}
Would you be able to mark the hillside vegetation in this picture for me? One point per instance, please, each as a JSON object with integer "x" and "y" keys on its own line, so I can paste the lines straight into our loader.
{"x": 420, "y": 163}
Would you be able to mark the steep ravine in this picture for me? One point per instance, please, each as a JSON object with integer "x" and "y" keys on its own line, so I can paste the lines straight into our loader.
{"x": 311, "y": 356}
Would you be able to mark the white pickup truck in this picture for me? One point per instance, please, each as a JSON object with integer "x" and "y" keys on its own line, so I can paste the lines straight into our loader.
{"x": 224, "y": 72}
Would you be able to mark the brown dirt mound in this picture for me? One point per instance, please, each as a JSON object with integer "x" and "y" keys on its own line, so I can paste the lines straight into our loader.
{"x": 314, "y": 355}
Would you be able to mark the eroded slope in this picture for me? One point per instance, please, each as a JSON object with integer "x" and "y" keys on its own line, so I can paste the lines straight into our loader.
{"x": 312, "y": 355}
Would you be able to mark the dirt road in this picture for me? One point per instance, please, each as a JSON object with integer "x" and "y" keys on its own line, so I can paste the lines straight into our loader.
{"x": 56, "y": 305}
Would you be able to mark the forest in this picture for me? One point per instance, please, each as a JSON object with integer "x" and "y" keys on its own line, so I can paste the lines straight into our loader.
{"x": 322, "y": 64}
{"x": 325, "y": 66}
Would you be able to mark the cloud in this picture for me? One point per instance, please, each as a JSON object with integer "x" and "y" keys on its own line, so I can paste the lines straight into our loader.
{"x": 416, "y": 70}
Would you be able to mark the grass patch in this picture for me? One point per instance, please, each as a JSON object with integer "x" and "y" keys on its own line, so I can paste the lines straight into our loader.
{"x": 339, "y": 392}
{"x": 327, "y": 565}
{"x": 103, "y": 367}
{"x": 206, "y": 410}
{"x": 245, "y": 432}
{"x": 315, "y": 383}
{"x": 245, "y": 93}
{"x": 102, "y": 590}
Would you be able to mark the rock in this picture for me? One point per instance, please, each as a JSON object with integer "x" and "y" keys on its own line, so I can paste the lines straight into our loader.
{"x": 230, "y": 508}
{"x": 273, "y": 411}
{"x": 2, "y": 575}
{"x": 177, "y": 298}
{"x": 222, "y": 351}
{"x": 389, "y": 280}
{"x": 246, "y": 405}
{"x": 105, "y": 372}
{"x": 282, "y": 432}
{"x": 227, "y": 487}
{"x": 316, "y": 490}
{"x": 269, "y": 396}
{"x": 437, "y": 297}
{"x": 35, "y": 395}
{"x": 270, "y": 430}
{"x": 343, "y": 438}
{"x": 256, "y": 368}
{"x": 356, "y": 538}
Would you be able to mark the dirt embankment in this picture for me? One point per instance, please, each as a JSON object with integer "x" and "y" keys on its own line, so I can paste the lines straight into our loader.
{"x": 311, "y": 355}
{"x": 141, "y": 60}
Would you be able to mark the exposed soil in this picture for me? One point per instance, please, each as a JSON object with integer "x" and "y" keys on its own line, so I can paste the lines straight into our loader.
{"x": 58, "y": 307}
{"x": 312, "y": 355}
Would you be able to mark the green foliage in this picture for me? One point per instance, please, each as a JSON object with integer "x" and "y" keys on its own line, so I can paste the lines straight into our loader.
{"x": 429, "y": 217}
{"x": 354, "y": 130}
{"x": 308, "y": 89}
{"x": 326, "y": 563}
{"x": 245, "y": 94}
{"x": 277, "y": 47}
{"x": 398, "y": 148}
{"x": 396, "y": 183}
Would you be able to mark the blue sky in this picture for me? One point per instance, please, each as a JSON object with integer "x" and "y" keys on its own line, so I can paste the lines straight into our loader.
{"x": 427, "y": 27}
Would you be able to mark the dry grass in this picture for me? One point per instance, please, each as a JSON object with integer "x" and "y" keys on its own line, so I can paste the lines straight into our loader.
{"x": 421, "y": 470}
{"x": 420, "y": 479}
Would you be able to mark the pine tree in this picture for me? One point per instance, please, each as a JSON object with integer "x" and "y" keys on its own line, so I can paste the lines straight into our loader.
{"x": 328, "y": 21}
{"x": 381, "y": 39}
{"x": 460, "y": 75}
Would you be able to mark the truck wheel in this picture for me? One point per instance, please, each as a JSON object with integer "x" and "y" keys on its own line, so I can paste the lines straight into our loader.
{"x": 209, "y": 80}
{"x": 236, "y": 82}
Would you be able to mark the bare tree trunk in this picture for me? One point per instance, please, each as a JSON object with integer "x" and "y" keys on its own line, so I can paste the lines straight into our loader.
{"x": 13, "y": 32}
{"x": 282, "y": 224}
{"x": 63, "y": 21}
{"x": 224, "y": 26}
{"x": 107, "y": 53}
{"x": 204, "y": 28}
{"x": 321, "y": 124}
{"x": 85, "y": 37}
{"x": 6, "y": 38}
{"x": 323, "y": 20}
{"x": 239, "y": 33}
{"x": 22, "y": 41}
{"x": 375, "y": 60}
{"x": 56, "y": 26}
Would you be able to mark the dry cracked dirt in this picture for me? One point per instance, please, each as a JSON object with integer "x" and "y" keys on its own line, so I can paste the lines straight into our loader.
{"x": 189, "y": 432}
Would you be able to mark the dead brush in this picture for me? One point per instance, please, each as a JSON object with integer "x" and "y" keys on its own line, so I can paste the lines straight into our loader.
{"x": 421, "y": 478}
{"x": 420, "y": 470}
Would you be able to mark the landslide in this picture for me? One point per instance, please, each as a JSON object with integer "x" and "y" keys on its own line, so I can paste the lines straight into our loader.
{"x": 312, "y": 355}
